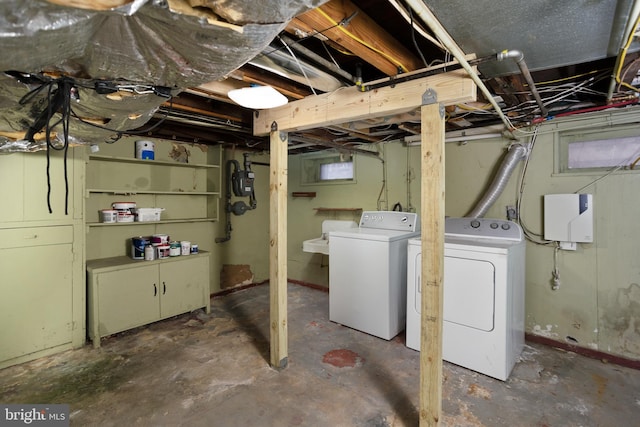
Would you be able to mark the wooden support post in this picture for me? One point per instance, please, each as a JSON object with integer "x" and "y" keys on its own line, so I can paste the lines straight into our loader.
{"x": 278, "y": 247}
{"x": 432, "y": 217}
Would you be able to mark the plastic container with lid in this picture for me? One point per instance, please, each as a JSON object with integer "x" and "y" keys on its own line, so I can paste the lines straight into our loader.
{"x": 124, "y": 206}
{"x": 108, "y": 215}
{"x": 174, "y": 249}
{"x": 163, "y": 251}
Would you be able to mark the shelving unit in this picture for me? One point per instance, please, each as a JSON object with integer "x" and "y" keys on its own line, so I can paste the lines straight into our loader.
{"x": 188, "y": 192}
{"x": 123, "y": 293}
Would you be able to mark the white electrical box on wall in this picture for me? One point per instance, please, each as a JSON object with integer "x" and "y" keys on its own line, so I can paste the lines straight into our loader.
{"x": 568, "y": 219}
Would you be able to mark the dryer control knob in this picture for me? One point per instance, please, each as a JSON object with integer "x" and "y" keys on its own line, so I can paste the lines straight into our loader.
{"x": 493, "y": 225}
{"x": 506, "y": 226}
{"x": 475, "y": 223}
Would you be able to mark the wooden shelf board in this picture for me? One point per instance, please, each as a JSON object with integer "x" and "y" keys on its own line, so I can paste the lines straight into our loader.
{"x": 164, "y": 221}
{"x": 134, "y": 192}
{"x": 150, "y": 162}
{"x": 338, "y": 209}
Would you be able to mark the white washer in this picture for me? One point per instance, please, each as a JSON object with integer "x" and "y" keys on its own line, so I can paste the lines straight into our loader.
{"x": 368, "y": 272}
{"x": 483, "y": 313}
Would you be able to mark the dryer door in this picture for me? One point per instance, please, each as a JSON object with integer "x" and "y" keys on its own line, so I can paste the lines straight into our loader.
{"x": 469, "y": 287}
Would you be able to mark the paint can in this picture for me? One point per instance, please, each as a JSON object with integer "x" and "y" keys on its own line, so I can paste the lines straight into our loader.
{"x": 174, "y": 249}
{"x": 163, "y": 251}
{"x": 160, "y": 239}
{"x": 125, "y": 211}
{"x": 185, "y": 247}
{"x": 145, "y": 150}
{"x": 138, "y": 245}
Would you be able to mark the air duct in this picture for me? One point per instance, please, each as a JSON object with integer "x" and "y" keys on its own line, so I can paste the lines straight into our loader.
{"x": 516, "y": 153}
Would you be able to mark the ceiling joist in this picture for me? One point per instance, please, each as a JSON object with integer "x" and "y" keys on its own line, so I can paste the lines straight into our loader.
{"x": 349, "y": 27}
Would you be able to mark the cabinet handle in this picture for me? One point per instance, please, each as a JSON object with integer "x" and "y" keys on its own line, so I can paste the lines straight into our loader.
{"x": 155, "y": 290}
{"x": 164, "y": 288}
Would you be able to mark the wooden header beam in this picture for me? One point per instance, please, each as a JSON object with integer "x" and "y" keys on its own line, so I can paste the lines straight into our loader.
{"x": 349, "y": 104}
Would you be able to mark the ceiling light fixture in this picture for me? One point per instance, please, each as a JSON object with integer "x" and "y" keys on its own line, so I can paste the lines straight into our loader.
{"x": 258, "y": 97}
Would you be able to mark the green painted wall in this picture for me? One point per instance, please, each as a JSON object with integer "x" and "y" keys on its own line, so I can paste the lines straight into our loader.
{"x": 598, "y": 302}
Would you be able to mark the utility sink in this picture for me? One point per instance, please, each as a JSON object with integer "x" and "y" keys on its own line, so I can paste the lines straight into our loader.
{"x": 320, "y": 245}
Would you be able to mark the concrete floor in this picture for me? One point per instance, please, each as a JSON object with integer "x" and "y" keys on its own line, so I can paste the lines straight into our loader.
{"x": 212, "y": 370}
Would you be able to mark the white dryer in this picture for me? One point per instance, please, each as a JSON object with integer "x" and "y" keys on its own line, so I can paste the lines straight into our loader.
{"x": 368, "y": 272}
{"x": 483, "y": 313}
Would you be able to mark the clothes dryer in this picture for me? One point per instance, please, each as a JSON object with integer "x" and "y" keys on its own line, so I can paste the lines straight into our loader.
{"x": 483, "y": 312}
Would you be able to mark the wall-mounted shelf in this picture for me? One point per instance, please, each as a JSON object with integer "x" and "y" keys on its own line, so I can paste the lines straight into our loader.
{"x": 134, "y": 192}
{"x": 310, "y": 194}
{"x": 164, "y": 221}
{"x": 149, "y": 162}
{"x": 338, "y": 209}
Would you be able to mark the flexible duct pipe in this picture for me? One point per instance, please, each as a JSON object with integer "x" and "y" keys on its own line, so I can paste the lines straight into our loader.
{"x": 518, "y": 56}
{"x": 516, "y": 153}
{"x": 428, "y": 18}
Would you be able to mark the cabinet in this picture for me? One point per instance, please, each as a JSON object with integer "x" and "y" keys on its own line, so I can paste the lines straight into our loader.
{"x": 42, "y": 307}
{"x": 124, "y": 293}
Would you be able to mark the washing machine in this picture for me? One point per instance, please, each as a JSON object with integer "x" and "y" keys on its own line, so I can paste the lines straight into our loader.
{"x": 483, "y": 312}
{"x": 368, "y": 272}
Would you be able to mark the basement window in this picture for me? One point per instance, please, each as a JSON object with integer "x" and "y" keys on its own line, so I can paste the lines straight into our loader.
{"x": 328, "y": 168}
{"x": 333, "y": 171}
{"x": 600, "y": 150}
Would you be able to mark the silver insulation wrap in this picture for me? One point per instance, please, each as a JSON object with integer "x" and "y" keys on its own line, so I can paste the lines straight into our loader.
{"x": 136, "y": 48}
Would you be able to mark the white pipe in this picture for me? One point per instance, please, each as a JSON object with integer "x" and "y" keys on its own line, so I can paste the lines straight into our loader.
{"x": 516, "y": 153}
{"x": 432, "y": 22}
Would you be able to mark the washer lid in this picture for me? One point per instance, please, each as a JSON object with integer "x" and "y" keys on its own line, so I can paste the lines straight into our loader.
{"x": 373, "y": 234}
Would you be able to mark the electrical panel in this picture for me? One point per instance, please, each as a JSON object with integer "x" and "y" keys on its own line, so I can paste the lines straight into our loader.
{"x": 568, "y": 219}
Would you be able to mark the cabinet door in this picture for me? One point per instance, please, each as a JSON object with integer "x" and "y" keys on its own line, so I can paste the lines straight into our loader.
{"x": 36, "y": 302}
{"x": 128, "y": 298}
{"x": 184, "y": 285}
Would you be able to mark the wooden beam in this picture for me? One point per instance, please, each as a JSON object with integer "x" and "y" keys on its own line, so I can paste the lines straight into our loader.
{"x": 362, "y": 36}
{"x": 349, "y": 104}
{"x": 278, "y": 247}
{"x": 432, "y": 217}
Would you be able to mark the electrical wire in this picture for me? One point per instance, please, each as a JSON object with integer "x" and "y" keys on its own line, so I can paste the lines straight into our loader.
{"x": 340, "y": 27}
{"x": 623, "y": 54}
{"x": 59, "y": 93}
{"x": 529, "y": 235}
{"x": 58, "y": 99}
{"x": 299, "y": 64}
{"x": 415, "y": 42}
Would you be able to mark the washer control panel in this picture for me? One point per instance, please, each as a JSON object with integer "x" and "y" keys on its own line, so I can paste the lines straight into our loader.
{"x": 390, "y": 220}
{"x": 483, "y": 228}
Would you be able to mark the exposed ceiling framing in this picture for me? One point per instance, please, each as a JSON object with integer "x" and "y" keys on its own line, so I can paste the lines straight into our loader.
{"x": 330, "y": 49}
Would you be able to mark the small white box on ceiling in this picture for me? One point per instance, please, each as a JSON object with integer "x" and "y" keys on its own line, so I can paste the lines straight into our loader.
{"x": 568, "y": 219}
